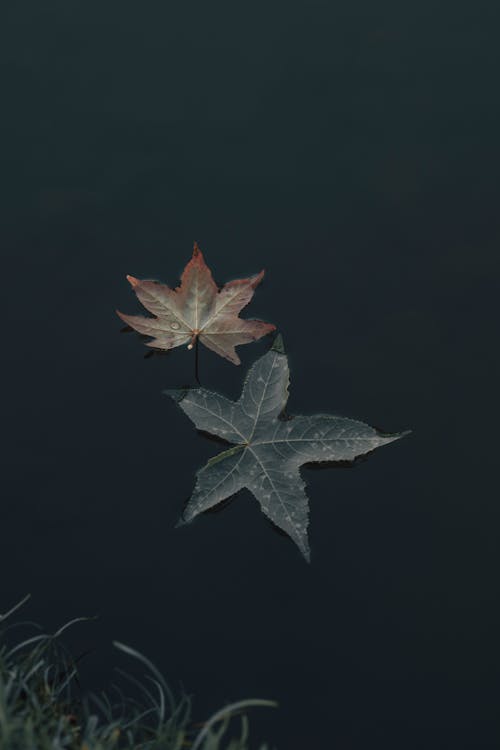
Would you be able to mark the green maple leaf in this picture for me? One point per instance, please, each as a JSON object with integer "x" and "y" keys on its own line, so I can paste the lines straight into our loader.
{"x": 269, "y": 448}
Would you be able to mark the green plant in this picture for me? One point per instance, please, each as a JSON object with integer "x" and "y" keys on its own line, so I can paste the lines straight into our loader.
{"x": 41, "y": 706}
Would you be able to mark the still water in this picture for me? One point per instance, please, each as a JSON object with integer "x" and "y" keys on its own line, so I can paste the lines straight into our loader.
{"x": 351, "y": 150}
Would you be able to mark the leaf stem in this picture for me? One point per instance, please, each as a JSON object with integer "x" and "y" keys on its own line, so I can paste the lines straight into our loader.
{"x": 196, "y": 361}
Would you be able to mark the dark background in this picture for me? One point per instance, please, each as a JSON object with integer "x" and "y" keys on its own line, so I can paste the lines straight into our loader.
{"x": 350, "y": 148}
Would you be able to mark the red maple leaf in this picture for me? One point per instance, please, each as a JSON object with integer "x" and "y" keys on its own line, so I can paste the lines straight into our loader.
{"x": 197, "y": 309}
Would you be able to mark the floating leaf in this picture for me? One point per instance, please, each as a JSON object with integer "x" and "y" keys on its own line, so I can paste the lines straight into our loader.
{"x": 197, "y": 309}
{"x": 269, "y": 449}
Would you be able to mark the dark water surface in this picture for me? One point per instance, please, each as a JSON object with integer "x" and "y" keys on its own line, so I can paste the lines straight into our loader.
{"x": 352, "y": 150}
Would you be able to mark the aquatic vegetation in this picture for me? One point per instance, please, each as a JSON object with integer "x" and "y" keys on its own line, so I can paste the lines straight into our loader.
{"x": 42, "y": 707}
{"x": 197, "y": 311}
{"x": 269, "y": 448}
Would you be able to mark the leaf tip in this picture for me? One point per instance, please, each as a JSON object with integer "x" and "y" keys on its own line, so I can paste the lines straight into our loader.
{"x": 391, "y": 437}
{"x": 399, "y": 435}
{"x": 402, "y": 434}
{"x": 176, "y": 394}
{"x": 132, "y": 281}
{"x": 304, "y": 548}
{"x": 278, "y": 345}
{"x": 232, "y": 357}
{"x": 258, "y": 278}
